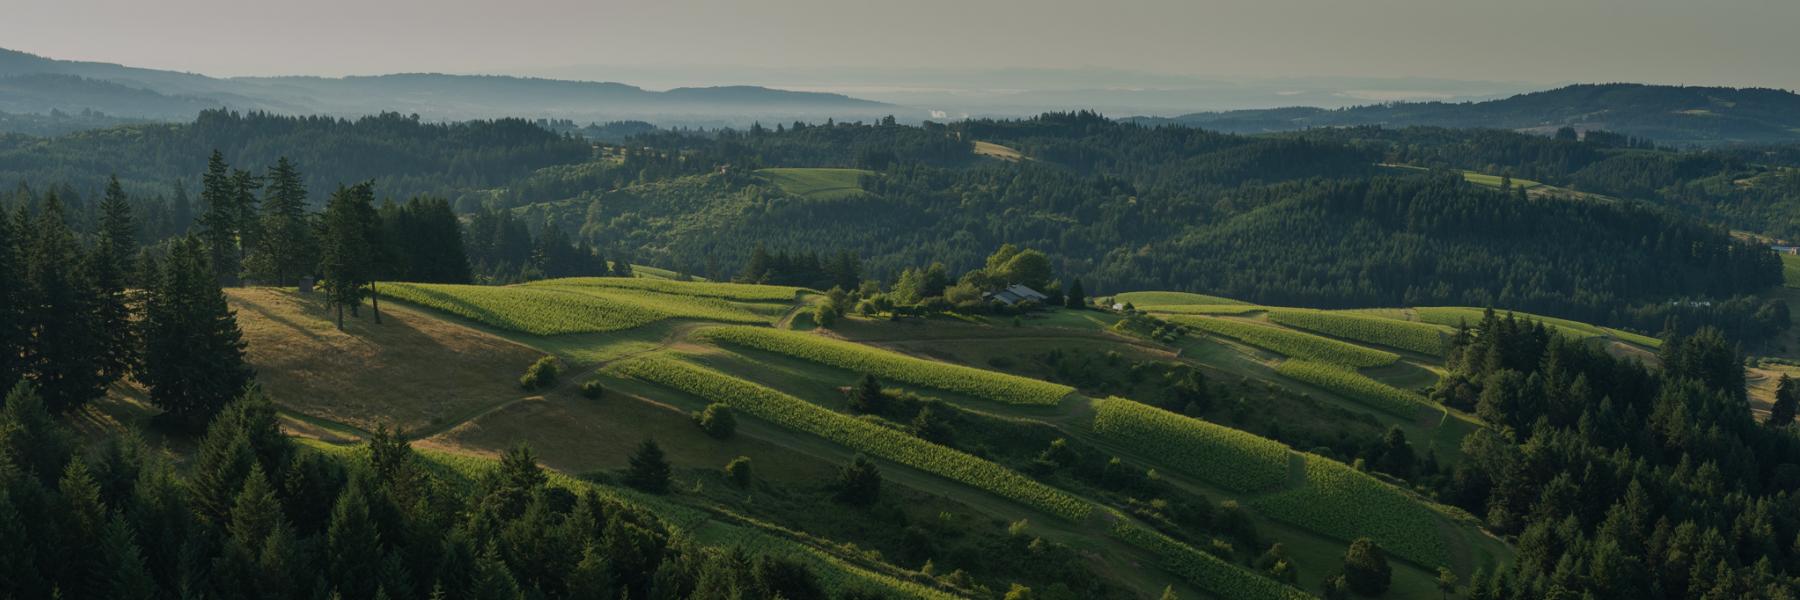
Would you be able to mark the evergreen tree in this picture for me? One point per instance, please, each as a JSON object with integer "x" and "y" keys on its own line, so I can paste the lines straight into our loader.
{"x": 109, "y": 266}
{"x": 347, "y": 259}
{"x": 220, "y": 219}
{"x": 14, "y": 333}
{"x": 123, "y": 573}
{"x": 859, "y": 484}
{"x": 118, "y": 228}
{"x": 193, "y": 358}
{"x": 66, "y": 351}
{"x": 285, "y": 248}
{"x": 867, "y": 397}
{"x": 1075, "y": 297}
{"x": 354, "y": 546}
{"x": 649, "y": 470}
{"x": 1787, "y": 403}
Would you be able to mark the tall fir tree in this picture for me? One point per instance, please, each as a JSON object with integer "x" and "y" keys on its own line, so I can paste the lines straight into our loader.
{"x": 1786, "y": 405}
{"x": 193, "y": 359}
{"x": 119, "y": 229}
{"x": 346, "y": 258}
{"x": 13, "y": 333}
{"x": 111, "y": 266}
{"x": 220, "y": 219}
{"x": 64, "y": 353}
{"x": 286, "y": 249}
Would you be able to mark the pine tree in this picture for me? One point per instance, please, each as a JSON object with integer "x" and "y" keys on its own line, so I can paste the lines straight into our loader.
{"x": 859, "y": 483}
{"x": 1075, "y": 297}
{"x": 118, "y": 228}
{"x": 65, "y": 349}
{"x": 122, "y": 572}
{"x": 193, "y": 358}
{"x": 286, "y": 249}
{"x": 13, "y": 332}
{"x": 867, "y": 397}
{"x": 347, "y": 258}
{"x": 1786, "y": 405}
{"x": 220, "y": 219}
{"x": 649, "y": 469}
{"x": 109, "y": 266}
{"x": 353, "y": 545}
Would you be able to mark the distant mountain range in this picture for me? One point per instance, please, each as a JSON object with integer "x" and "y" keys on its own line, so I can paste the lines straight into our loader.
{"x": 1667, "y": 114}
{"x": 31, "y": 84}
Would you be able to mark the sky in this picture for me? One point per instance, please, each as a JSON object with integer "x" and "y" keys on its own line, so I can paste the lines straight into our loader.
{"x": 1713, "y": 42}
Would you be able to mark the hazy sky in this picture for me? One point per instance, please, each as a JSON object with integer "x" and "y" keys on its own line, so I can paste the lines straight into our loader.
{"x": 1732, "y": 42}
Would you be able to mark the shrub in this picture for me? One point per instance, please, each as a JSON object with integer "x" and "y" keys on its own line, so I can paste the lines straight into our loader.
{"x": 738, "y": 471}
{"x": 592, "y": 390}
{"x": 859, "y": 484}
{"x": 540, "y": 375}
{"x": 1366, "y": 568}
{"x": 717, "y": 420}
{"x": 825, "y": 315}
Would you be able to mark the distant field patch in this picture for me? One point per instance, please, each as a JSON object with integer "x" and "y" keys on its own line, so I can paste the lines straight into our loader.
{"x": 1422, "y": 338}
{"x": 850, "y": 356}
{"x": 1217, "y": 454}
{"x": 817, "y": 183}
{"x": 1290, "y": 343}
{"x": 540, "y": 310}
{"x": 1357, "y": 387}
{"x": 1493, "y": 181}
{"x": 1345, "y": 504}
{"x": 857, "y": 434}
{"x": 993, "y": 150}
{"x": 745, "y": 292}
{"x": 1141, "y": 299}
{"x": 1201, "y": 309}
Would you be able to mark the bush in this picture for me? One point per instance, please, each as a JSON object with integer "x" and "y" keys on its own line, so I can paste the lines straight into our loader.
{"x": 825, "y": 316}
{"x": 738, "y": 471}
{"x": 649, "y": 470}
{"x": 717, "y": 420}
{"x": 860, "y": 483}
{"x": 540, "y": 375}
{"x": 592, "y": 390}
{"x": 1366, "y": 568}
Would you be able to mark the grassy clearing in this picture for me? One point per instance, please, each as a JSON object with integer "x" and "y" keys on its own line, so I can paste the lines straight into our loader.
{"x": 368, "y": 374}
{"x": 1203, "y": 570}
{"x": 1340, "y": 502}
{"x": 743, "y": 292}
{"x": 850, "y": 356}
{"x": 1422, "y": 338}
{"x": 550, "y": 311}
{"x": 1219, "y": 455}
{"x": 817, "y": 183}
{"x": 1201, "y": 309}
{"x": 1291, "y": 343}
{"x": 1358, "y": 387}
{"x": 993, "y": 150}
{"x": 1141, "y": 299}
{"x": 1493, "y": 181}
{"x": 891, "y": 444}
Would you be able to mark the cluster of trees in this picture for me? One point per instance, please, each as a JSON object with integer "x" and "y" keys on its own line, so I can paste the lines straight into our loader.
{"x": 255, "y": 516}
{"x": 66, "y": 321}
{"x": 1617, "y": 480}
{"x": 503, "y": 250}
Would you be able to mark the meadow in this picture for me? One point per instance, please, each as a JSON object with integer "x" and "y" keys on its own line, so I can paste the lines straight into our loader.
{"x": 1219, "y": 455}
{"x": 1200, "y": 309}
{"x": 1345, "y": 504}
{"x": 1422, "y": 338}
{"x": 888, "y": 365}
{"x": 817, "y": 183}
{"x": 541, "y": 310}
{"x": 743, "y": 292}
{"x": 1293, "y": 344}
{"x": 857, "y": 434}
{"x": 1358, "y": 387}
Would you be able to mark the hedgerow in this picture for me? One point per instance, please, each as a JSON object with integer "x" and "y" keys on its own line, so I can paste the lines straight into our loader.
{"x": 863, "y": 436}
{"x": 1357, "y": 387}
{"x": 999, "y": 387}
{"x": 1291, "y": 343}
{"x": 1422, "y": 338}
{"x": 1220, "y": 455}
{"x": 1346, "y": 504}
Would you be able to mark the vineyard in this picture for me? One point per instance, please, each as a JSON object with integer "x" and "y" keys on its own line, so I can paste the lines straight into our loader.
{"x": 744, "y": 292}
{"x": 1201, "y": 309}
{"x": 999, "y": 387}
{"x": 1205, "y": 571}
{"x": 1358, "y": 387}
{"x": 1142, "y": 299}
{"x": 541, "y": 310}
{"x": 1454, "y": 315}
{"x": 863, "y": 436}
{"x": 1219, "y": 455}
{"x": 1291, "y": 343}
{"x": 1405, "y": 335}
{"x": 1343, "y": 503}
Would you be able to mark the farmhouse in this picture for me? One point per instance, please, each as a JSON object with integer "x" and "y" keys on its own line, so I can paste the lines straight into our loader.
{"x": 1014, "y": 294}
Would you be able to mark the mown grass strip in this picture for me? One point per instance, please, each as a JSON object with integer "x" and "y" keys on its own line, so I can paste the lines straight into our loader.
{"x": 552, "y": 311}
{"x": 863, "y": 436}
{"x": 1142, "y": 299}
{"x": 989, "y": 385}
{"x": 1358, "y": 387}
{"x": 1205, "y": 571}
{"x": 745, "y": 292}
{"x": 1217, "y": 454}
{"x": 1346, "y": 504}
{"x": 1290, "y": 343}
{"x": 1422, "y": 338}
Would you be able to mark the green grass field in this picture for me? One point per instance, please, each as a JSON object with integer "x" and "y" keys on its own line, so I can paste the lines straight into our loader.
{"x": 1216, "y": 454}
{"x": 1290, "y": 343}
{"x": 550, "y": 310}
{"x": 884, "y": 364}
{"x": 1790, "y": 270}
{"x": 743, "y": 292}
{"x": 817, "y": 183}
{"x": 1142, "y": 299}
{"x": 1423, "y": 338}
{"x": 1200, "y": 309}
{"x": 1493, "y": 181}
{"x": 861, "y": 435}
